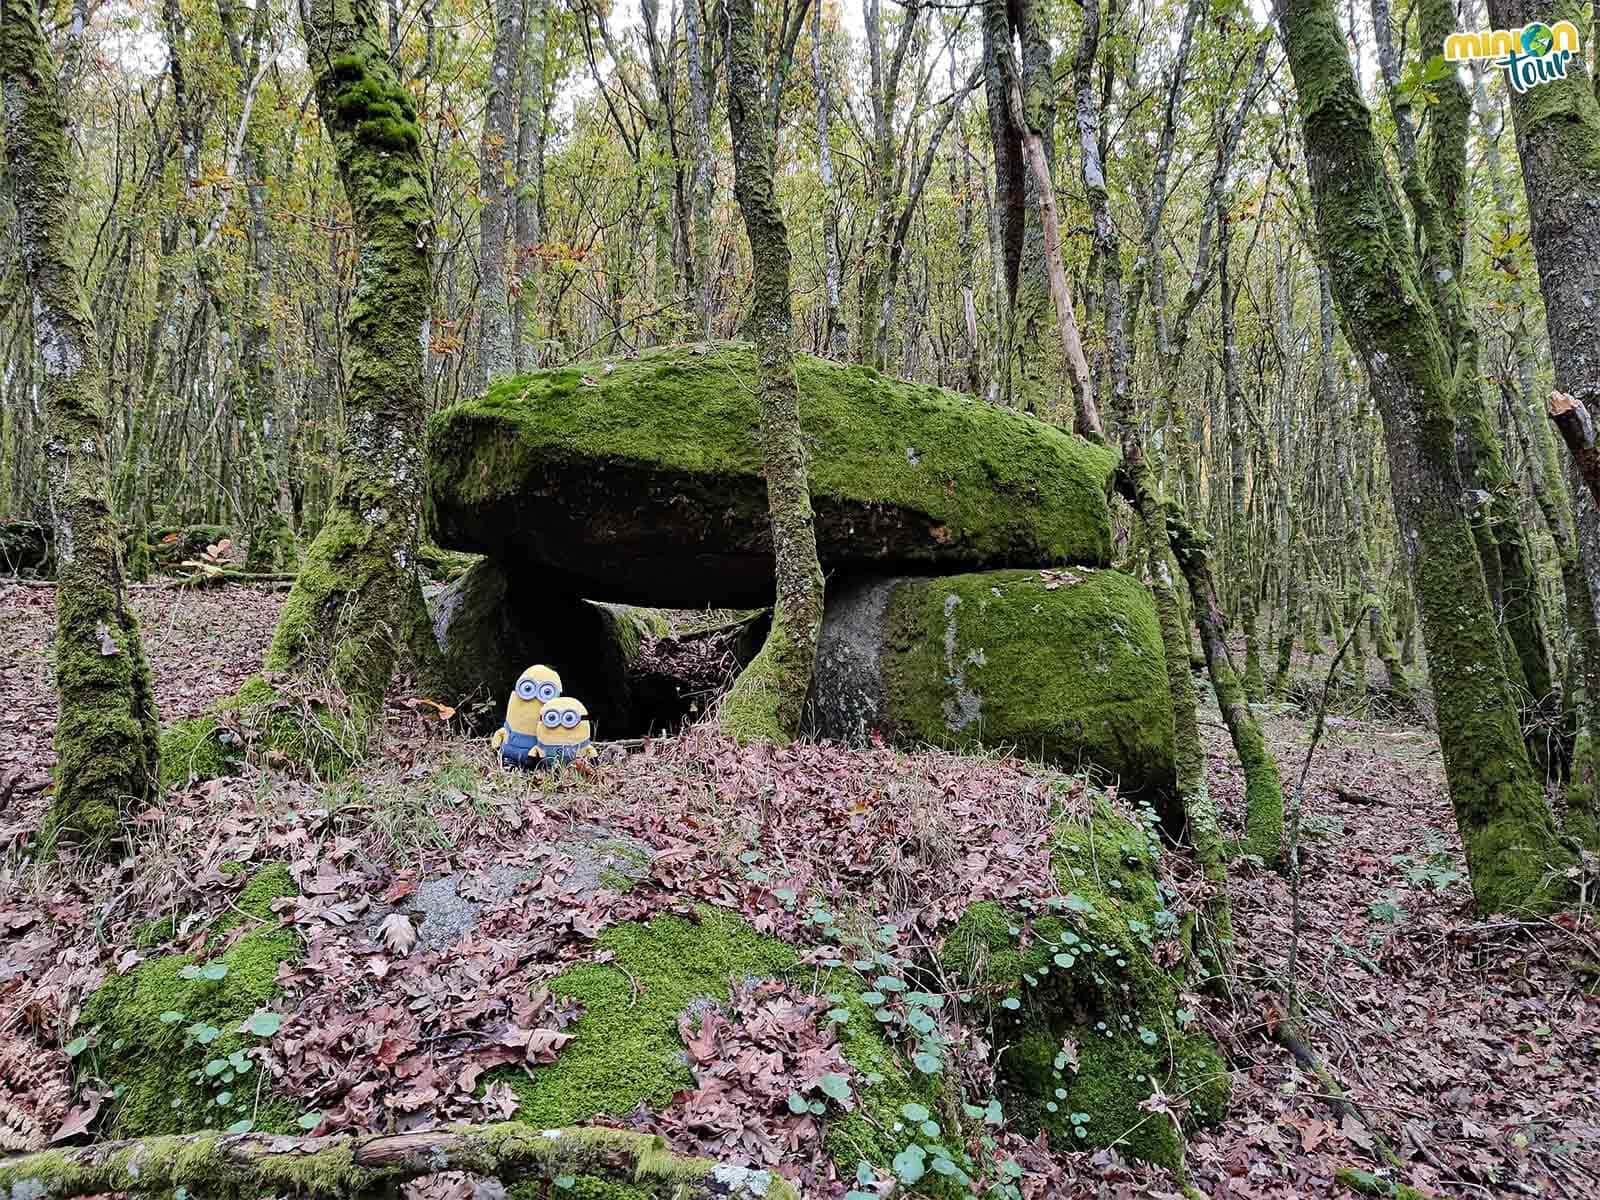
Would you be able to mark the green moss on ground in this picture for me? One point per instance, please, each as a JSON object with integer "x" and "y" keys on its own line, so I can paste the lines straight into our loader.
{"x": 876, "y": 1129}
{"x": 161, "y": 1067}
{"x": 281, "y": 729}
{"x": 626, "y": 1049}
{"x": 1069, "y": 669}
{"x": 1365, "y": 1183}
{"x": 1084, "y": 969}
{"x": 583, "y": 1187}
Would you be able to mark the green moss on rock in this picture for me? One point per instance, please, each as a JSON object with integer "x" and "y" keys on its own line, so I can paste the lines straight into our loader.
{"x": 1063, "y": 666}
{"x": 1083, "y": 971}
{"x": 641, "y": 479}
{"x": 161, "y": 1066}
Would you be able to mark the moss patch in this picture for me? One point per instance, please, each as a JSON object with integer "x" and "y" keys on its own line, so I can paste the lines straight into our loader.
{"x": 283, "y": 729}
{"x": 1083, "y": 969}
{"x": 162, "y": 1065}
{"x": 627, "y": 1050}
{"x": 645, "y": 475}
{"x": 1068, "y": 669}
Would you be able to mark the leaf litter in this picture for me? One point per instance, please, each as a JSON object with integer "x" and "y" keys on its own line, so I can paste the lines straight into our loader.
{"x": 1473, "y": 1044}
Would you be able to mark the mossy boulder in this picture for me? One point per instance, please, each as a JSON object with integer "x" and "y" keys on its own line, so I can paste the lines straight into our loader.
{"x": 1065, "y": 666}
{"x": 1090, "y": 1023}
{"x": 168, "y": 1033}
{"x": 640, "y": 480}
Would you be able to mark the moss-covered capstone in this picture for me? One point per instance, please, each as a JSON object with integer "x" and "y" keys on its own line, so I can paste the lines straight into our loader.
{"x": 1090, "y": 1024}
{"x": 640, "y": 480}
{"x": 1066, "y": 666}
{"x": 167, "y": 1033}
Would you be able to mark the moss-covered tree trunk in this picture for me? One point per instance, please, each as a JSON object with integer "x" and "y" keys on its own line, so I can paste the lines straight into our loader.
{"x": 1263, "y": 786}
{"x": 356, "y": 594}
{"x": 1558, "y": 143}
{"x": 768, "y": 699}
{"x": 106, "y": 733}
{"x": 1513, "y": 854}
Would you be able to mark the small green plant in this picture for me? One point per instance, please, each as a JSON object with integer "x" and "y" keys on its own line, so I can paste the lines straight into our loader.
{"x": 221, "y": 1071}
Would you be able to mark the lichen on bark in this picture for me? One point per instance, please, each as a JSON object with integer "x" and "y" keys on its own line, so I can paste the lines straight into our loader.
{"x": 106, "y": 734}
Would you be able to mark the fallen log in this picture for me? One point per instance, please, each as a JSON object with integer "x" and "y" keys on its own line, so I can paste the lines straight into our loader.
{"x": 347, "y": 1166}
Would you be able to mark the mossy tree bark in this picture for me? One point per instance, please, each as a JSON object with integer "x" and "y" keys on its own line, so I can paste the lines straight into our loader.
{"x": 356, "y": 594}
{"x": 1558, "y": 142}
{"x": 767, "y": 700}
{"x": 106, "y": 734}
{"x": 1514, "y": 856}
{"x": 1263, "y": 786}
{"x": 351, "y": 1167}
{"x": 495, "y": 167}
{"x": 1027, "y": 365}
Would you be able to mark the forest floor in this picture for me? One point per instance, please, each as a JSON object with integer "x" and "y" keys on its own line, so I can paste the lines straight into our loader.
{"x": 1472, "y": 1045}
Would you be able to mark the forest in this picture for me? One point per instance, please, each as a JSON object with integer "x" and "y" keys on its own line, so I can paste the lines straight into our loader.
{"x": 768, "y": 599}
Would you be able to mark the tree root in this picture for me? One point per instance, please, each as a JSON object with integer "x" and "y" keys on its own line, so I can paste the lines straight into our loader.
{"x": 348, "y": 1166}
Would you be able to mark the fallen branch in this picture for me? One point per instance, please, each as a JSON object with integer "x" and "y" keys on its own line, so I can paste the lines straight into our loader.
{"x": 348, "y": 1166}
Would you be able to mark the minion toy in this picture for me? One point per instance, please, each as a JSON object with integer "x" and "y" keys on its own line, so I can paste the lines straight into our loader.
{"x": 564, "y": 733}
{"x": 518, "y": 738}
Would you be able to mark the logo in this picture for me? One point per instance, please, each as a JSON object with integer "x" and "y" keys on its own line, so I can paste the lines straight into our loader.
{"x": 1529, "y": 56}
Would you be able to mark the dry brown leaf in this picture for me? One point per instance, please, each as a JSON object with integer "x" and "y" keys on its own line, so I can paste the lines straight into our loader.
{"x": 398, "y": 933}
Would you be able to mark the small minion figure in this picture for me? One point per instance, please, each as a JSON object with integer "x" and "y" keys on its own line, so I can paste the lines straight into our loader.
{"x": 518, "y": 738}
{"x": 564, "y": 733}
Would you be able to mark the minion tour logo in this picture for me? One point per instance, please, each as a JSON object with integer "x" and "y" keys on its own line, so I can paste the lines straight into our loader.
{"x": 1532, "y": 55}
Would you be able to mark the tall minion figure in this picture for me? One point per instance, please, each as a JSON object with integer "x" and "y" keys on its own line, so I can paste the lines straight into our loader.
{"x": 518, "y": 738}
{"x": 564, "y": 732}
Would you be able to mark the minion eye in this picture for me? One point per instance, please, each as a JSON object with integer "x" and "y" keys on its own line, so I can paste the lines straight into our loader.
{"x": 570, "y": 718}
{"x": 526, "y": 689}
{"x": 551, "y": 718}
{"x": 547, "y": 692}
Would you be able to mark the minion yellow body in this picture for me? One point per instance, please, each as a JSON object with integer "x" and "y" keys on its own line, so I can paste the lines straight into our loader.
{"x": 564, "y": 731}
{"x": 518, "y": 738}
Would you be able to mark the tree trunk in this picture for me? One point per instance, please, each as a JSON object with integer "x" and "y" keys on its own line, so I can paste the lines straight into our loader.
{"x": 1086, "y": 416}
{"x": 701, "y": 175}
{"x": 495, "y": 167}
{"x": 532, "y": 118}
{"x": 352, "y": 602}
{"x": 106, "y": 733}
{"x": 1513, "y": 855}
{"x": 767, "y": 700}
{"x": 1558, "y": 143}
{"x": 1263, "y": 788}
